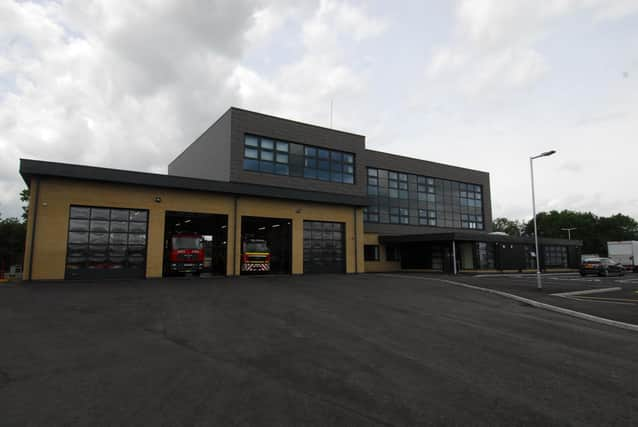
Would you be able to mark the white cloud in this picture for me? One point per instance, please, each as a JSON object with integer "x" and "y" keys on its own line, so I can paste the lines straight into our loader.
{"x": 129, "y": 84}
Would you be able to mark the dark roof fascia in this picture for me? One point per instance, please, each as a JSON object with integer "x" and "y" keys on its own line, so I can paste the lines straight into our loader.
{"x": 475, "y": 236}
{"x": 429, "y": 162}
{"x": 327, "y": 129}
{"x": 29, "y": 168}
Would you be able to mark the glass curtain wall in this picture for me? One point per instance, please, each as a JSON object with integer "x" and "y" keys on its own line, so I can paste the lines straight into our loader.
{"x": 401, "y": 198}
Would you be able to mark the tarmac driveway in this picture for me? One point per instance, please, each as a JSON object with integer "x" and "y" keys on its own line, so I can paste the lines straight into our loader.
{"x": 614, "y": 297}
{"x": 313, "y": 350}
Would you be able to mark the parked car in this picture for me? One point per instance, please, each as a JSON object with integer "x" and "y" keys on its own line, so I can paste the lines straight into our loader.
{"x": 601, "y": 267}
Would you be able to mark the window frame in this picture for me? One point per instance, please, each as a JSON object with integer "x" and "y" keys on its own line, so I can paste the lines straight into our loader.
{"x": 273, "y": 156}
{"x": 371, "y": 257}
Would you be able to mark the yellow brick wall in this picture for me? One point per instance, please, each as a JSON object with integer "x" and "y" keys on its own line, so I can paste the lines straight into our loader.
{"x": 57, "y": 195}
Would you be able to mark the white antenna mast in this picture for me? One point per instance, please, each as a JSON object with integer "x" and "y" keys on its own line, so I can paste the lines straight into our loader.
{"x": 330, "y": 113}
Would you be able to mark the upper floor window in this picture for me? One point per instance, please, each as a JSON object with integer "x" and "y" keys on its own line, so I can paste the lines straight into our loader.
{"x": 291, "y": 159}
{"x": 474, "y": 222}
{"x": 471, "y": 195}
{"x": 404, "y": 198}
{"x": 266, "y": 155}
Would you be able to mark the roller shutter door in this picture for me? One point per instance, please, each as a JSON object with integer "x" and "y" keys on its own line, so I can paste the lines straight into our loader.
{"x": 324, "y": 247}
{"x": 106, "y": 243}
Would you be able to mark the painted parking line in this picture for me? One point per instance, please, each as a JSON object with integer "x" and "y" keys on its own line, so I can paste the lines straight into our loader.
{"x": 598, "y": 301}
{"x": 523, "y": 275}
{"x": 531, "y": 302}
{"x": 620, "y": 300}
{"x": 586, "y": 292}
{"x": 576, "y": 279}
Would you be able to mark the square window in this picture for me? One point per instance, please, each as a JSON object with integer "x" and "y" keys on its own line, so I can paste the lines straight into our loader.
{"x": 310, "y": 151}
{"x": 323, "y": 175}
{"x": 282, "y": 146}
{"x": 372, "y": 172}
{"x": 266, "y": 166}
{"x": 281, "y": 169}
{"x": 251, "y": 153}
{"x": 371, "y": 252}
{"x": 251, "y": 141}
{"x": 251, "y": 165}
{"x": 323, "y": 154}
{"x": 348, "y": 158}
{"x": 267, "y": 144}
{"x": 267, "y": 155}
{"x": 282, "y": 158}
{"x": 348, "y": 178}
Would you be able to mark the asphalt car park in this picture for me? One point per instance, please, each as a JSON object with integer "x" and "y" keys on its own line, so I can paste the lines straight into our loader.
{"x": 311, "y": 350}
{"x": 614, "y": 297}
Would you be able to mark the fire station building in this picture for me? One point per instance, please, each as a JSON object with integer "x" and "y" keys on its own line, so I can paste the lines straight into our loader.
{"x": 310, "y": 199}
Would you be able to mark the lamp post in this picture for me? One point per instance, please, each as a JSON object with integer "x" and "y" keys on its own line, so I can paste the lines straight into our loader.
{"x": 569, "y": 232}
{"x": 539, "y": 284}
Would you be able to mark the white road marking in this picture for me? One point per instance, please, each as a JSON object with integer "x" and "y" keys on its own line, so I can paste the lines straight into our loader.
{"x": 599, "y": 301}
{"x": 524, "y": 275}
{"x": 586, "y": 292}
{"x": 533, "y": 303}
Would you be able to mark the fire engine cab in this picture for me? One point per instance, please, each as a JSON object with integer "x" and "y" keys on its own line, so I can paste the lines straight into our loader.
{"x": 185, "y": 253}
{"x": 255, "y": 256}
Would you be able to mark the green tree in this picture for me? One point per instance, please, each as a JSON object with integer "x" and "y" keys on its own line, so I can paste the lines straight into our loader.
{"x": 511, "y": 227}
{"x": 24, "y": 198}
{"x": 593, "y": 230}
{"x": 12, "y": 237}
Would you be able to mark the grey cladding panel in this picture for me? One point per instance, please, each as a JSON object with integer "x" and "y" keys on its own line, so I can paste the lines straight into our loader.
{"x": 209, "y": 156}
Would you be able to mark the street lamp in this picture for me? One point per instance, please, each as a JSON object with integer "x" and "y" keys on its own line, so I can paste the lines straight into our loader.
{"x": 569, "y": 232}
{"x": 539, "y": 284}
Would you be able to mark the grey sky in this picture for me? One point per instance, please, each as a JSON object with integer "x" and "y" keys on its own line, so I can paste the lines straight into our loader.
{"x": 481, "y": 84}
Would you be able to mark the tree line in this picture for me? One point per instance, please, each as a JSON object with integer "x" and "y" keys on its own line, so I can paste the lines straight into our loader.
{"x": 13, "y": 233}
{"x": 594, "y": 231}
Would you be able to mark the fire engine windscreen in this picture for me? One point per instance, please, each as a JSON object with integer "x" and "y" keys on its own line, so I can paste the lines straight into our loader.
{"x": 187, "y": 242}
{"x": 256, "y": 247}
